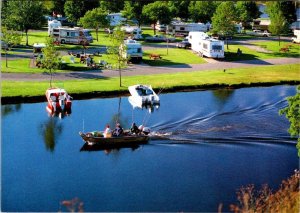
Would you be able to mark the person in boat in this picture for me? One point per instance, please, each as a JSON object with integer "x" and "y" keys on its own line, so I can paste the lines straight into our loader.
{"x": 53, "y": 99}
{"x": 61, "y": 98}
{"x": 118, "y": 130}
{"x": 107, "y": 132}
{"x": 134, "y": 129}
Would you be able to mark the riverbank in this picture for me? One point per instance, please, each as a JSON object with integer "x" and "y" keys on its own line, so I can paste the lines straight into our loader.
{"x": 32, "y": 91}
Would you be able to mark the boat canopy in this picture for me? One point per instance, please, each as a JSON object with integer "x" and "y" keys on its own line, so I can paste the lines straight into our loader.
{"x": 56, "y": 91}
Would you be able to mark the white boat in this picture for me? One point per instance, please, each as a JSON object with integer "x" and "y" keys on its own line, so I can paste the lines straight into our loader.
{"x": 143, "y": 95}
{"x": 58, "y": 100}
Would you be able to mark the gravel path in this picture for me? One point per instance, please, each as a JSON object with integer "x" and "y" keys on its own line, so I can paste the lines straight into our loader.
{"x": 143, "y": 69}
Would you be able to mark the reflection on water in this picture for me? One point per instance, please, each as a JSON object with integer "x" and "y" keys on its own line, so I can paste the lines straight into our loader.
{"x": 50, "y": 131}
{"x": 204, "y": 146}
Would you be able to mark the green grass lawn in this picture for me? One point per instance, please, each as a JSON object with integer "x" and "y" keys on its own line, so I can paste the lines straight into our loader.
{"x": 201, "y": 79}
{"x": 172, "y": 56}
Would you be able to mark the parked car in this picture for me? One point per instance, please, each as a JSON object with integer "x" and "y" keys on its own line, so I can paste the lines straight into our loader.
{"x": 184, "y": 44}
{"x": 259, "y": 33}
{"x": 159, "y": 38}
{"x": 221, "y": 37}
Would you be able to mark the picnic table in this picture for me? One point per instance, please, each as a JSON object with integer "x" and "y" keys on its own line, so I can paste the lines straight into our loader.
{"x": 155, "y": 56}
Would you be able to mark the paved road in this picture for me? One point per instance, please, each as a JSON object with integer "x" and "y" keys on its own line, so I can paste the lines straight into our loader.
{"x": 143, "y": 69}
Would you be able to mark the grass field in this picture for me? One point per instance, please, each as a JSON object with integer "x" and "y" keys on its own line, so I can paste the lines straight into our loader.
{"x": 204, "y": 79}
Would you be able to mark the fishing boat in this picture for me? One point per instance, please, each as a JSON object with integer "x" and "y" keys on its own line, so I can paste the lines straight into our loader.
{"x": 58, "y": 100}
{"x": 97, "y": 138}
{"x": 143, "y": 95}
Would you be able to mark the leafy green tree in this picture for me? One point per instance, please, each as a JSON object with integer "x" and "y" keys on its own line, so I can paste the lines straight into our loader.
{"x": 224, "y": 18}
{"x": 133, "y": 10}
{"x": 24, "y": 15}
{"x": 51, "y": 59}
{"x": 112, "y": 6}
{"x": 11, "y": 39}
{"x": 157, "y": 11}
{"x": 247, "y": 11}
{"x": 279, "y": 24}
{"x": 289, "y": 11}
{"x": 75, "y": 9}
{"x": 179, "y": 8}
{"x": 292, "y": 113}
{"x": 201, "y": 11}
{"x": 115, "y": 51}
{"x": 95, "y": 18}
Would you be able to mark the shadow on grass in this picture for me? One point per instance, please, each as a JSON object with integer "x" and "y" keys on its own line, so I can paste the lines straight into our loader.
{"x": 162, "y": 62}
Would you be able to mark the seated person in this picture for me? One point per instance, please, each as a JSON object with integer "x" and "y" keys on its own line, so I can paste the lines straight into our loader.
{"x": 118, "y": 130}
{"x": 134, "y": 129}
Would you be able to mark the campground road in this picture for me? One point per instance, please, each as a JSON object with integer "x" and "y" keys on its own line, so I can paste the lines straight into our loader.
{"x": 143, "y": 69}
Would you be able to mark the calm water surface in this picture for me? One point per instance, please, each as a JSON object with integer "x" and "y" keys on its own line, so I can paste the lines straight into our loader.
{"x": 207, "y": 145}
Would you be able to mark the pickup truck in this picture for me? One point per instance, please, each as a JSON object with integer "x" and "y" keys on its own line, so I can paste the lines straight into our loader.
{"x": 259, "y": 33}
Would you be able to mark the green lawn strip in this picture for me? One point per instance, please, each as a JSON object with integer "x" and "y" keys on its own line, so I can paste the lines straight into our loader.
{"x": 294, "y": 49}
{"x": 172, "y": 56}
{"x": 274, "y": 74}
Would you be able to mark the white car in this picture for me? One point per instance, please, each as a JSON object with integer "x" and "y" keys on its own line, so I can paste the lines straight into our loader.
{"x": 159, "y": 38}
{"x": 260, "y": 33}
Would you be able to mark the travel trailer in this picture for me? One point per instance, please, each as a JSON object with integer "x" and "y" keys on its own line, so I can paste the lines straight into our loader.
{"x": 134, "y": 31}
{"x": 296, "y": 38}
{"x": 72, "y": 35}
{"x": 115, "y": 19}
{"x": 183, "y": 29}
{"x": 134, "y": 50}
{"x": 53, "y": 24}
{"x": 202, "y": 44}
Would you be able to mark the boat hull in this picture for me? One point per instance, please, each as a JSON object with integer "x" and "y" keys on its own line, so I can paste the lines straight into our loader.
{"x": 121, "y": 140}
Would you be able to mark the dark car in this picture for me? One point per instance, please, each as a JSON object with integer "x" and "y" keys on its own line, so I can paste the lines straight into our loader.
{"x": 184, "y": 44}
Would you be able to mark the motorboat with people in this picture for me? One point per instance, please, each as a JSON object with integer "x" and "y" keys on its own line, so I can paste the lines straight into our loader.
{"x": 143, "y": 95}
{"x": 127, "y": 138}
{"x": 58, "y": 100}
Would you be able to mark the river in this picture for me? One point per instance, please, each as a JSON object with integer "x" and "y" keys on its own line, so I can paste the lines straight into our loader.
{"x": 205, "y": 146}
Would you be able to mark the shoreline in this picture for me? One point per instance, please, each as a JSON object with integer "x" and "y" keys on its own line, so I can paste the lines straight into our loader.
{"x": 117, "y": 93}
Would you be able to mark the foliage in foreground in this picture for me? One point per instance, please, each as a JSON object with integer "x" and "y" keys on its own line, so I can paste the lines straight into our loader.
{"x": 285, "y": 200}
{"x": 292, "y": 113}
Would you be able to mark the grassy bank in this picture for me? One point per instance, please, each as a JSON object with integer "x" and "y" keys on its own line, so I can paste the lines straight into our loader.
{"x": 260, "y": 75}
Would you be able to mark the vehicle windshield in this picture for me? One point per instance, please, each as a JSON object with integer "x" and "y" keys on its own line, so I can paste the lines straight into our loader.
{"x": 216, "y": 47}
{"x": 87, "y": 33}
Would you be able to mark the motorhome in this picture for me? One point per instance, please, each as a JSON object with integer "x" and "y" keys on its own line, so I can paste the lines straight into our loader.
{"x": 203, "y": 45}
{"x": 133, "y": 51}
{"x": 53, "y": 24}
{"x": 74, "y": 35}
{"x": 37, "y": 49}
{"x": 183, "y": 29}
{"x": 115, "y": 19}
{"x": 134, "y": 32}
{"x": 296, "y": 38}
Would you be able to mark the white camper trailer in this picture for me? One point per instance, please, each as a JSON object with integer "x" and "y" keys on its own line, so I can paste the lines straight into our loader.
{"x": 202, "y": 44}
{"x": 72, "y": 35}
{"x": 183, "y": 29}
{"x": 115, "y": 19}
{"x": 134, "y": 31}
{"x": 53, "y": 24}
{"x": 134, "y": 50}
{"x": 296, "y": 38}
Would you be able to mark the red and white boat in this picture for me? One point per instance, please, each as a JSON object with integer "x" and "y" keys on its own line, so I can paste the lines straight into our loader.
{"x": 58, "y": 100}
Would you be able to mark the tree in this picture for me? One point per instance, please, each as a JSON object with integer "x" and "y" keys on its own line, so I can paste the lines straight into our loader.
{"x": 157, "y": 11}
{"x": 51, "y": 59}
{"x": 179, "y": 8}
{"x": 112, "y": 6}
{"x": 115, "y": 51}
{"x": 133, "y": 9}
{"x": 75, "y": 9}
{"x": 95, "y": 18}
{"x": 24, "y": 15}
{"x": 279, "y": 24}
{"x": 224, "y": 18}
{"x": 11, "y": 38}
{"x": 289, "y": 11}
{"x": 200, "y": 11}
{"x": 247, "y": 11}
{"x": 292, "y": 113}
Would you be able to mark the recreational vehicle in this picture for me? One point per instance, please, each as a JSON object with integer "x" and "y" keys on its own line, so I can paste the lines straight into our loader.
{"x": 296, "y": 38}
{"x": 202, "y": 44}
{"x": 134, "y": 31}
{"x": 115, "y": 19}
{"x": 133, "y": 51}
{"x": 72, "y": 35}
{"x": 183, "y": 29}
{"x": 53, "y": 24}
